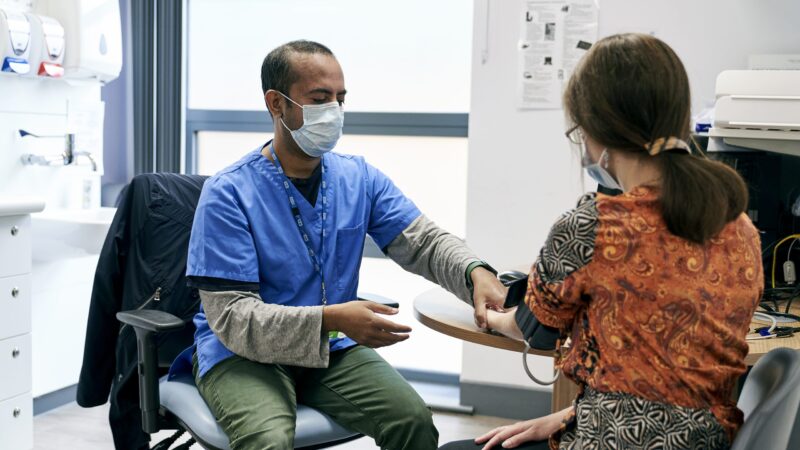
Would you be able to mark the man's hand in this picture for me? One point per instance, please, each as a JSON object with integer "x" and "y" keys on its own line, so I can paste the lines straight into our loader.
{"x": 360, "y": 321}
{"x": 488, "y": 293}
{"x": 505, "y": 322}
{"x": 511, "y": 436}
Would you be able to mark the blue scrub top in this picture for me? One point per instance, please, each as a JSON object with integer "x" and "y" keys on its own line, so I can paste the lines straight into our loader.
{"x": 244, "y": 231}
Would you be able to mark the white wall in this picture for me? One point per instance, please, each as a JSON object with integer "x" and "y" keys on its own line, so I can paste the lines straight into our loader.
{"x": 522, "y": 174}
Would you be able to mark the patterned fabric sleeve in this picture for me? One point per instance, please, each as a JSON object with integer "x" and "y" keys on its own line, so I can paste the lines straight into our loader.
{"x": 557, "y": 280}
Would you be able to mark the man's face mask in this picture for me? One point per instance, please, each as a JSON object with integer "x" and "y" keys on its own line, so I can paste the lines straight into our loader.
{"x": 322, "y": 127}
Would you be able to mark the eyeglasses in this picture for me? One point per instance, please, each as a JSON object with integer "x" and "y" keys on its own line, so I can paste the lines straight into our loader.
{"x": 575, "y": 135}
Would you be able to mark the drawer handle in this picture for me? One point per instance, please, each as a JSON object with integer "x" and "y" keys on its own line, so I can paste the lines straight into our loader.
{"x": 15, "y": 292}
{"x": 14, "y": 230}
{"x": 15, "y": 353}
{"x": 17, "y": 412}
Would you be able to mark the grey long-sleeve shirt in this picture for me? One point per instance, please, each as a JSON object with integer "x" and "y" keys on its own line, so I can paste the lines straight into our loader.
{"x": 293, "y": 335}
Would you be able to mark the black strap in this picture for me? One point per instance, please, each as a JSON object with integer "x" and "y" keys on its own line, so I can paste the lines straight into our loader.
{"x": 538, "y": 336}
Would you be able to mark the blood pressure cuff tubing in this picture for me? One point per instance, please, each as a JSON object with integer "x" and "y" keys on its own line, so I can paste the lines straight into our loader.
{"x": 539, "y": 337}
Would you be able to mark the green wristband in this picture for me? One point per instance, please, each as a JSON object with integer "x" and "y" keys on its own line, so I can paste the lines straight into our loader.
{"x": 474, "y": 265}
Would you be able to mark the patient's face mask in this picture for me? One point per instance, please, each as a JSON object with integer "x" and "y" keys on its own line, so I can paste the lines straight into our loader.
{"x": 321, "y": 130}
{"x": 597, "y": 170}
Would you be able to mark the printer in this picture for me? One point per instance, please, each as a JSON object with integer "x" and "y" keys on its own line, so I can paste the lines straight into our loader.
{"x": 757, "y": 109}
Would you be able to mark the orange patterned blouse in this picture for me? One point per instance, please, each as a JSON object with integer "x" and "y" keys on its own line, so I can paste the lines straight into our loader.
{"x": 650, "y": 315}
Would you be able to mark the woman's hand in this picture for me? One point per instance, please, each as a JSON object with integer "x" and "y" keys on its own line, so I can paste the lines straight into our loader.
{"x": 504, "y": 322}
{"x": 511, "y": 436}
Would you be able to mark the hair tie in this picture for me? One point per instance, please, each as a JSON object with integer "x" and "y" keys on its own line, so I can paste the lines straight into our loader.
{"x": 666, "y": 144}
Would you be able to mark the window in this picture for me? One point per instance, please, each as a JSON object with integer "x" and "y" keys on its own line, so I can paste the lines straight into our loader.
{"x": 431, "y": 171}
{"x": 219, "y": 149}
{"x": 411, "y": 56}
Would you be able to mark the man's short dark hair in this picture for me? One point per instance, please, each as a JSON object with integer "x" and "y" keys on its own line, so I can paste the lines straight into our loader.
{"x": 276, "y": 70}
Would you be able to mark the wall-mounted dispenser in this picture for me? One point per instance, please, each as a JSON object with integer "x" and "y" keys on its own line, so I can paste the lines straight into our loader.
{"x": 47, "y": 46}
{"x": 15, "y": 39}
{"x": 93, "y": 37}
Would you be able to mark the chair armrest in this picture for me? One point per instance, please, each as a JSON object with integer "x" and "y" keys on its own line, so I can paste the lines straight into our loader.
{"x": 146, "y": 324}
{"x": 150, "y": 320}
{"x": 370, "y": 297}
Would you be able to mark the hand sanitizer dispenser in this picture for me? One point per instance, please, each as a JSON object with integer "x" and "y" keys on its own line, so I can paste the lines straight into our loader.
{"x": 15, "y": 39}
{"x": 47, "y": 46}
{"x": 93, "y": 37}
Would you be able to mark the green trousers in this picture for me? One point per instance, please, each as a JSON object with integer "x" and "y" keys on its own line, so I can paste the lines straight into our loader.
{"x": 256, "y": 403}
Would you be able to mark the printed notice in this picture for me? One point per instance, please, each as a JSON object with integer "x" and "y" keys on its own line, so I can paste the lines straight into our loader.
{"x": 555, "y": 35}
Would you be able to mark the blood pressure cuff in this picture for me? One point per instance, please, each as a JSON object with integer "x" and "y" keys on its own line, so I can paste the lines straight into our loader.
{"x": 539, "y": 337}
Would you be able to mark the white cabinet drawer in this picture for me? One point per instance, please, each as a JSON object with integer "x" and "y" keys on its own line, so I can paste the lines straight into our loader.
{"x": 16, "y": 423}
{"x": 15, "y": 366}
{"x": 15, "y": 245}
{"x": 15, "y": 306}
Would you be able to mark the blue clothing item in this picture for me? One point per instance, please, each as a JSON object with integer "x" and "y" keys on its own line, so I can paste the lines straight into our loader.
{"x": 244, "y": 231}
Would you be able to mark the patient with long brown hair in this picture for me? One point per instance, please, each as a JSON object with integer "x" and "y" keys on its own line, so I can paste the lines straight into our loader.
{"x": 652, "y": 290}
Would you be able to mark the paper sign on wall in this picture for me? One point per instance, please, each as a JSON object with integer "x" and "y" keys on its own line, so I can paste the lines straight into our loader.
{"x": 555, "y": 35}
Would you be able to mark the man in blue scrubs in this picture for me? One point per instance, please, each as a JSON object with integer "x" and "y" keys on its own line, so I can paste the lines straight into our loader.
{"x": 275, "y": 252}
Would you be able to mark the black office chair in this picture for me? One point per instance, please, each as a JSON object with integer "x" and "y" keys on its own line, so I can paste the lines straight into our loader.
{"x": 176, "y": 403}
{"x": 770, "y": 400}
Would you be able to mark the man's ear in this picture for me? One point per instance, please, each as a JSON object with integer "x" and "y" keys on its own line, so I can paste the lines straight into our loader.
{"x": 273, "y": 101}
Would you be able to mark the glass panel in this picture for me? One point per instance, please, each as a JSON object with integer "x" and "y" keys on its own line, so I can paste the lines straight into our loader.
{"x": 412, "y": 56}
{"x": 217, "y": 150}
{"x": 432, "y": 171}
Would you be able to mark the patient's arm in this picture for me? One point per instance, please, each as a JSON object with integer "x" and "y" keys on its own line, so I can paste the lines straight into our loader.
{"x": 505, "y": 322}
{"x": 267, "y": 333}
{"x": 426, "y": 249}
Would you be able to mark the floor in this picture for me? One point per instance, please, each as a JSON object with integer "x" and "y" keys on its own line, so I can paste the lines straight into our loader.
{"x": 73, "y": 427}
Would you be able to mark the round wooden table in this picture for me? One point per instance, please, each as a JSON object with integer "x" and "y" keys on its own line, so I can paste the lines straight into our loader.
{"x": 444, "y": 312}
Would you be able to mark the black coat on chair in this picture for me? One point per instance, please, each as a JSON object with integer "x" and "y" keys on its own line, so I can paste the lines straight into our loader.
{"x": 142, "y": 266}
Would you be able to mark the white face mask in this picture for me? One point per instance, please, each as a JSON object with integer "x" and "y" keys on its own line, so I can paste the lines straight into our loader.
{"x": 322, "y": 127}
{"x": 597, "y": 170}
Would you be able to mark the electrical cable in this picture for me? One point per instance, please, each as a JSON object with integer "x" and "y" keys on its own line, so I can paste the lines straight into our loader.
{"x": 776, "y": 314}
{"x": 769, "y": 334}
{"x": 769, "y": 318}
{"x": 791, "y": 298}
{"x": 528, "y": 370}
{"x": 768, "y": 248}
{"x": 791, "y": 247}
{"x": 775, "y": 254}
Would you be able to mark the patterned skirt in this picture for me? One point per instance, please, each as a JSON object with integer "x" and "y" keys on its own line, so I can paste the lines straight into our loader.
{"x": 622, "y": 421}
